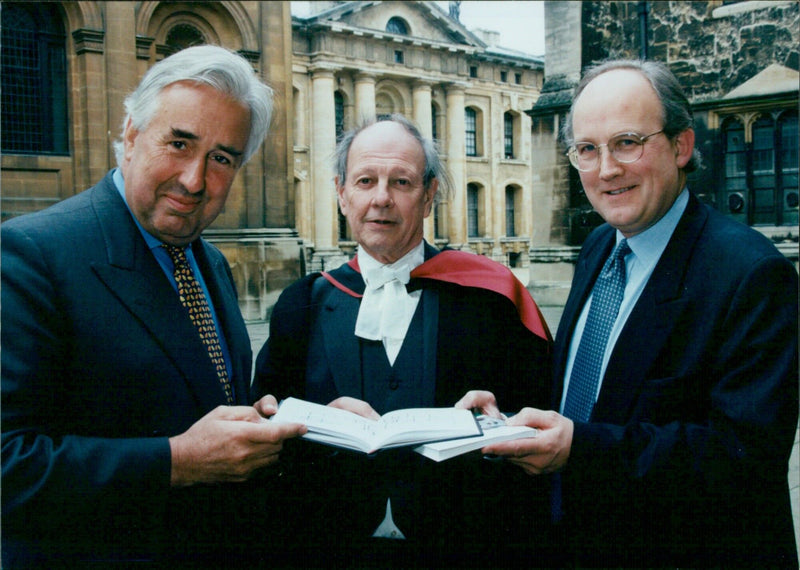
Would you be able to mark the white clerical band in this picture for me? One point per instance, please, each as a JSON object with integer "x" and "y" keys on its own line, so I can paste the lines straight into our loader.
{"x": 385, "y": 305}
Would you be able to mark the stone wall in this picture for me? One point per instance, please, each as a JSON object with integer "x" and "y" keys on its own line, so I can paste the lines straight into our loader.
{"x": 711, "y": 48}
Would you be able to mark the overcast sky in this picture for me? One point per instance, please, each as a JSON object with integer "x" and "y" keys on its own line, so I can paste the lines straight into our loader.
{"x": 520, "y": 22}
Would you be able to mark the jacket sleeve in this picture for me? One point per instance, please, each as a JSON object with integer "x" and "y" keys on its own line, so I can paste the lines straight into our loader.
{"x": 281, "y": 362}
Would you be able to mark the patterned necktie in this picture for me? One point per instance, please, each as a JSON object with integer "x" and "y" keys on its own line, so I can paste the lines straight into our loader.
{"x": 606, "y": 298}
{"x": 192, "y": 297}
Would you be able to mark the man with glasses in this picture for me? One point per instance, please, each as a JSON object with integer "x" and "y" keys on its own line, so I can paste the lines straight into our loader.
{"x": 675, "y": 362}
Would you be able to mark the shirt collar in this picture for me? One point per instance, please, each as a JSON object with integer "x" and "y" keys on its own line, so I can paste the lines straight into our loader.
{"x": 152, "y": 241}
{"x": 651, "y": 243}
{"x": 412, "y": 259}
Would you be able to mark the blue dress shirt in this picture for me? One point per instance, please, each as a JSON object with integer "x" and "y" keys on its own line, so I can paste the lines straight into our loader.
{"x": 166, "y": 264}
{"x": 646, "y": 250}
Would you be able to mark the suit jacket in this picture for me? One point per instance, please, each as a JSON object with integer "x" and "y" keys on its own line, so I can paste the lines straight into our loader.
{"x": 461, "y": 509}
{"x": 100, "y": 365}
{"x": 684, "y": 460}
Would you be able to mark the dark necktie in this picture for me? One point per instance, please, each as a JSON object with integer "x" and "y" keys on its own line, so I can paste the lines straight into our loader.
{"x": 192, "y": 297}
{"x": 606, "y": 298}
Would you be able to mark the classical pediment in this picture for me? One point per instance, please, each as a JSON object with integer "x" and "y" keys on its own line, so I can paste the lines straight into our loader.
{"x": 423, "y": 22}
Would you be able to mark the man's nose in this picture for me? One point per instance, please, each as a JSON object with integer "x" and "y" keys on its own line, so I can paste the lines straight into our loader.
{"x": 193, "y": 177}
{"x": 382, "y": 197}
{"x": 609, "y": 166}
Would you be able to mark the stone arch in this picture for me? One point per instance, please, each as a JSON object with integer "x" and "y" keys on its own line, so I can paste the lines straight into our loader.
{"x": 225, "y": 23}
{"x": 82, "y": 15}
{"x": 391, "y": 94}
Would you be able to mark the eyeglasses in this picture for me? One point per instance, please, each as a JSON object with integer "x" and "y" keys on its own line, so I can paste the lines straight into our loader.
{"x": 624, "y": 147}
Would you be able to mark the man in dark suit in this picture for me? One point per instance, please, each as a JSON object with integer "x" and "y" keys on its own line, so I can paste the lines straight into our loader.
{"x": 124, "y": 430}
{"x": 369, "y": 340}
{"x": 677, "y": 452}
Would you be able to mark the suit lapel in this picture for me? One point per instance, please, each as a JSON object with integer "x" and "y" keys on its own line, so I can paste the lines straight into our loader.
{"x": 429, "y": 303}
{"x": 657, "y": 311}
{"x": 133, "y": 275}
{"x": 338, "y": 321}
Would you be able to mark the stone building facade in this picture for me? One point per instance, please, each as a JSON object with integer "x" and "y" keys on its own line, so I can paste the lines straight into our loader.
{"x": 67, "y": 67}
{"x": 738, "y": 62}
{"x": 354, "y": 60}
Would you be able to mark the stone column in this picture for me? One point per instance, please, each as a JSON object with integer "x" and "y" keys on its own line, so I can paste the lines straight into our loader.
{"x": 457, "y": 163}
{"x": 365, "y": 97}
{"x": 323, "y": 142}
{"x": 120, "y": 55}
{"x": 421, "y": 93}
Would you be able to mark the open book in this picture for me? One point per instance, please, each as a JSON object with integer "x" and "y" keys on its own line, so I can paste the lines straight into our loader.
{"x": 494, "y": 431}
{"x": 412, "y": 426}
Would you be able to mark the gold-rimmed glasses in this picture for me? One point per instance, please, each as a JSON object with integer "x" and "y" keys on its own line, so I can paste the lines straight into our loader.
{"x": 624, "y": 147}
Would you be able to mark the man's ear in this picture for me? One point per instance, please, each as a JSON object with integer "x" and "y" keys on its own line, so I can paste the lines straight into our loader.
{"x": 684, "y": 147}
{"x": 340, "y": 195}
{"x": 128, "y": 138}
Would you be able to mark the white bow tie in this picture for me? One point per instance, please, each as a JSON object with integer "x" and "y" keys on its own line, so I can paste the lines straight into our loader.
{"x": 377, "y": 277}
{"x": 382, "y": 310}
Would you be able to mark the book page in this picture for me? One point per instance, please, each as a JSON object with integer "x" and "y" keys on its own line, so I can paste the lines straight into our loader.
{"x": 326, "y": 419}
{"x": 400, "y": 427}
{"x": 494, "y": 431}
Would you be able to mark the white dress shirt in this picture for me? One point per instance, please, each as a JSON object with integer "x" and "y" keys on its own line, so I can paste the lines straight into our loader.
{"x": 387, "y": 308}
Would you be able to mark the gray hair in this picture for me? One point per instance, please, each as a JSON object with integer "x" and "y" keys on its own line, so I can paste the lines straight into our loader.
{"x": 215, "y": 66}
{"x": 434, "y": 168}
{"x": 677, "y": 113}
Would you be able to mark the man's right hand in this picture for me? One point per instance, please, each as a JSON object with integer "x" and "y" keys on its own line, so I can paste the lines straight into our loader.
{"x": 228, "y": 444}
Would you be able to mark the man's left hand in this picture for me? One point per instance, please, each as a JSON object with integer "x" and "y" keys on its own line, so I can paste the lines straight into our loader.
{"x": 547, "y": 452}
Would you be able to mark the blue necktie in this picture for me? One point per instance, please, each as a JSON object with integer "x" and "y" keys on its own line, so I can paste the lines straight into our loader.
{"x": 606, "y": 298}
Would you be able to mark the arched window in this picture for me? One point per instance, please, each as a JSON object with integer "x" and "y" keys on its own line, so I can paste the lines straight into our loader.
{"x": 34, "y": 80}
{"x": 397, "y": 26}
{"x": 763, "y": 171}
{"x": 788, "y": 163}
{"x": 338, "y": 109}
{"x": 183, "y": 36}
{"x": 438, "y": 220}
{"x": 735, "y": 170}
{"x": 511, "y": 224}
{"x": 434, "y": 123}
{"x": 471, "y": 131}
{"x": 508, "y": 135}
{"x": 473, "y": 229}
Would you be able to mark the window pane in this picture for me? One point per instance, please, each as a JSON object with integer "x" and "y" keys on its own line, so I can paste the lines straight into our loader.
{"x": 472, "y": 210}
{"x": 338, "y": 106}
{"x": 510, "y": 221}
{"x": 734, "y": 195}
{"x": 397, "y": 26}
{"x": 789, "y": 169}
{"x": 434, "y": 125}
{"x": 763, "y": 161}
{"x": 470, "y": 128}
{"x": 34, "y": 80}
{"x": 508, "y": 135}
